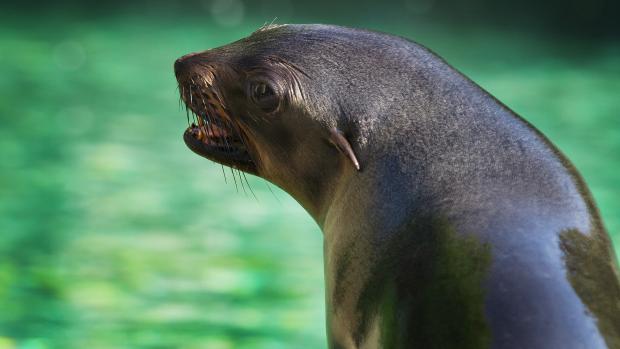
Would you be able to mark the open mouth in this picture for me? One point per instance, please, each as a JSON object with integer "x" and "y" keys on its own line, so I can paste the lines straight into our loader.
{"x": 212, "y": 133}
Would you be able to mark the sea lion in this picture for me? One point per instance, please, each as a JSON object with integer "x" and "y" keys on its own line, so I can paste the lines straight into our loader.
{"x": 448, "y": 220}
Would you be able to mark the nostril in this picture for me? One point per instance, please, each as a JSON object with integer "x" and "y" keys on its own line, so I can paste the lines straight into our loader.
{"x": 181, "y": 64}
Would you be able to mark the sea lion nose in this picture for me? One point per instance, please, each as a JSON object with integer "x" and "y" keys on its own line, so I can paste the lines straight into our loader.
{"x": 181, "y": 64}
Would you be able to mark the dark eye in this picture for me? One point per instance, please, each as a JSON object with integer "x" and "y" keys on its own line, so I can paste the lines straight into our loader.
{"x": 264, "y": 96}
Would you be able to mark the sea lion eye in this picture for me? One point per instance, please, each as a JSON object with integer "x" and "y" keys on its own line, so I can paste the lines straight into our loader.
{"x": 264, "y": 96}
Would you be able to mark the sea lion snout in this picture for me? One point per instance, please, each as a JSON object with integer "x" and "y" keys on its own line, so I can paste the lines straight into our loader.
{"x": 184, "y": 63}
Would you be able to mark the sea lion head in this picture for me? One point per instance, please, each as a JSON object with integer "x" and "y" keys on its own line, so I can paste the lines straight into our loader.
{"x": 285, "y": 103}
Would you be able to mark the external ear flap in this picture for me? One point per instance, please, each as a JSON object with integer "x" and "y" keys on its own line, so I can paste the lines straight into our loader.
{"x": 338, "y": 139}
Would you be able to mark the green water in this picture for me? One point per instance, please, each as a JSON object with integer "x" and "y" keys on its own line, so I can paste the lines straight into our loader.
{"x": 114, "y": 235}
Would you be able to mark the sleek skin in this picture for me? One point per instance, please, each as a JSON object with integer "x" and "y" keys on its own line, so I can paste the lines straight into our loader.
{"x": 448, "y": 221}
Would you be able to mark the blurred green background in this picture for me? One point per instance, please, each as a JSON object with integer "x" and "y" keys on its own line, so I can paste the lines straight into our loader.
{"x": 114, "y": 235}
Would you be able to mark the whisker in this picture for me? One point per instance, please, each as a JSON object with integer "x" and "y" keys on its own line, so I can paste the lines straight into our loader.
{"x": 234, "y": 179}
{"x": 208, "y": 122}
{"x": 245, "y": 145}
{"x": 272, "y": 193}
{"x": 180, "y": 99}
{"x": 220, "y": 124}
{"x": 191, "y": 96}
{"x": 249, "y": 187}
{"x": 241, "y": 181}
{"x": 219, "y": 99}
{"x": 224, "y": 173}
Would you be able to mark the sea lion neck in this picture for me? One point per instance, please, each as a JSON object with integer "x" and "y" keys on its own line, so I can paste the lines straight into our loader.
{"x": 312, "y": 170}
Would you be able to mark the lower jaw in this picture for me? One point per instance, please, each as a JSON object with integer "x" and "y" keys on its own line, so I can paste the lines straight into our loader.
{"x": 237, "y": 158}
